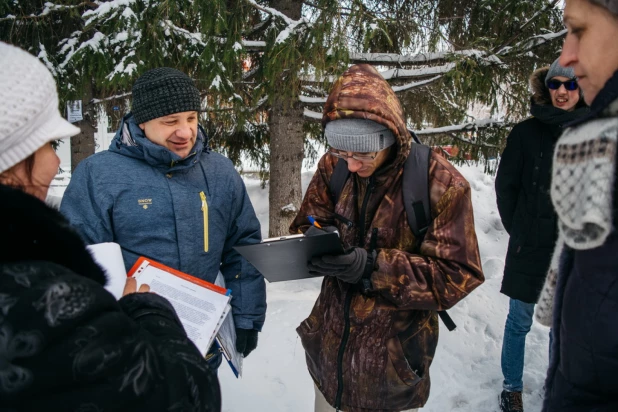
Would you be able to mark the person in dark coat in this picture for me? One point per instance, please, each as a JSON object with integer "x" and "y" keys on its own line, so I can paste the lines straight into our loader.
{"x": 522, "y": 189}
{"x": 582, "y": 369}
{"x": 66, "y": 344}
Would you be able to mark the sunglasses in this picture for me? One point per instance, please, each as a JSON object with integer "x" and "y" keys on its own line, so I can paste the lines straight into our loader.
{"x": 570, "y": 85}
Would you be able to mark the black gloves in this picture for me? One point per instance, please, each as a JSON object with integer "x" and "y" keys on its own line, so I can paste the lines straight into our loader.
{"x": 314, "y": 231}
{"x": 349, "y": 267}
{"x": 246, "y": 340}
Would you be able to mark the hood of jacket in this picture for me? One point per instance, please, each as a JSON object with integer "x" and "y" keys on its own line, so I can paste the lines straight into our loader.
{"x": 362, "y": 93}
{"x": 540, "y": 92}
{"x": 40, "y": 233}
{"x": 131, "y": 141}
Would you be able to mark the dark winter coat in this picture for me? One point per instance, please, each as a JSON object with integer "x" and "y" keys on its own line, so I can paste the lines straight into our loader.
{"x": 66, "y": 344}
{"x": 145, "y": 198}
{"x": 522, "y": 191}
{"x": 372, "y": 352}
{"x": 582, "y": 373}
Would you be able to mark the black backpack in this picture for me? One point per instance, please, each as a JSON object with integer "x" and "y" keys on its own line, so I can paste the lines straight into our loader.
{"x": 415, "y": 195}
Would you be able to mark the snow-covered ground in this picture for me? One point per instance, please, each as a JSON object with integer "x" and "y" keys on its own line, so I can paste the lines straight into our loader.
{"x": 465, "y": 374}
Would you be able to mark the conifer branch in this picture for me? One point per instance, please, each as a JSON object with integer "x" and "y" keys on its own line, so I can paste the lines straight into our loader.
{"x": 526, "y": 24}
{"x": 292, "y": 25}
{"x": 470, "y": 142}
{"x": 465, "y": 127}
{"x": 49, "y": 8}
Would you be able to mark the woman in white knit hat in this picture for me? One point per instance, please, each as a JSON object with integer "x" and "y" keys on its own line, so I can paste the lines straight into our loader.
{"x": 65, "y": 342}
{"x": 29, "y": 122}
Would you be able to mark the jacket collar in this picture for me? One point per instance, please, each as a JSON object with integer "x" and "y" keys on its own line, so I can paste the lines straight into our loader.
{"x": 40, "y": 233}
{"x": 131, "y": 141}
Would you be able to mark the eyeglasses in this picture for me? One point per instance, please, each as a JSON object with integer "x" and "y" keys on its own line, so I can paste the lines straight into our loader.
{"x": 359, "y": 157}
{"x": 570, "y": 85}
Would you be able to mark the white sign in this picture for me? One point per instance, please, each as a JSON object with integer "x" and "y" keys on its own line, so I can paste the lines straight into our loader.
{"x": 74, "y": 111}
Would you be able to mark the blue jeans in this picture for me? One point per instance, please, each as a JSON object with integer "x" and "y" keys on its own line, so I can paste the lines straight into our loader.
{"x": 518, "y": 323}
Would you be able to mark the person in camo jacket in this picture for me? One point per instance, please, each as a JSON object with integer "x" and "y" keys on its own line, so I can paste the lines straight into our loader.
{"x": 371, "y": 349}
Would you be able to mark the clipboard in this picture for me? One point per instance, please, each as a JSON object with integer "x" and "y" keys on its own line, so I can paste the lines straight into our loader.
{"x": 285, "y": 258}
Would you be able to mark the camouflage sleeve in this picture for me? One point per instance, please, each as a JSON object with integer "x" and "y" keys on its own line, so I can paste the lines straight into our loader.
{"x": 448, "y": 267}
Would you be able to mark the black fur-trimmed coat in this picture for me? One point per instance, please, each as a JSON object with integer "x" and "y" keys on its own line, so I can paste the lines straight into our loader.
{"x": 66, "y": 344}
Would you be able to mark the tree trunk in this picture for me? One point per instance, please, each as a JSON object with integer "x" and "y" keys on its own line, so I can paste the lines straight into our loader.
{"x": 286, "y": 158}
{"x": 82, "y": 144}
{"x": 285, "y": 121}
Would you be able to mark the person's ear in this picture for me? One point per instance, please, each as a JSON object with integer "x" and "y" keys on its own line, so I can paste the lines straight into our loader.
{"x": 142, "y": 126}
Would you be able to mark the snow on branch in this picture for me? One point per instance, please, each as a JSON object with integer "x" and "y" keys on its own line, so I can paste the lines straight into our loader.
{"x": 408, "y": 86}
{"x": 47, "y": 9}
{"x": 118, "y": 96}
{"x": 292, "y": 25}
{"x": 393, "y": 74}
{"x": 195, "y": 38}
{"x": 468, "y": 141}
{"x": 312, "y": 100}
{"x": 422, "y": 58}
{"x": 397, "y": 89}
{"x": 310, "y": 114}
{"x": 532, "y": 42}
{"x": 526, "y": 24}
{"x": 465, "y": 127}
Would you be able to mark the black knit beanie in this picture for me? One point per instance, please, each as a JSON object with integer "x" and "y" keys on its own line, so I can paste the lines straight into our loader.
{"x": 163, "y": 91}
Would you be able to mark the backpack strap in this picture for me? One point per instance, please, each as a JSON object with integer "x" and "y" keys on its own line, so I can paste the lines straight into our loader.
{"x": 416, "y": 200}
{"x": 337, "y": 180}
{"x": 416, "y": 189}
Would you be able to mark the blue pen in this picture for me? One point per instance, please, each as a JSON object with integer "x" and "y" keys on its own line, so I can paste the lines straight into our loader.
{"x": 313, "y": 222}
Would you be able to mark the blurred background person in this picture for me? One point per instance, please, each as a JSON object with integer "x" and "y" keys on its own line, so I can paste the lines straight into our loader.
{"x": 582, "y": 370}
{"x": 522, "y": 191}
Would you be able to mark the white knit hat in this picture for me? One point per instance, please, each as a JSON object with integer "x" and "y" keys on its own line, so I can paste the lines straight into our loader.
{"x": 29, "y": 115}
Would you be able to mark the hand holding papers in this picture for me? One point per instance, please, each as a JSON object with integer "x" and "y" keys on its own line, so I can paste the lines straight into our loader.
{"x": 286, "y": 257}
{"x": 200, "y": 305}
{"x": 203, "y": 308}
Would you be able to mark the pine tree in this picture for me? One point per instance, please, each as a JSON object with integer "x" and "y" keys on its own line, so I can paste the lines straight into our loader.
{"x": 265, "y": 66}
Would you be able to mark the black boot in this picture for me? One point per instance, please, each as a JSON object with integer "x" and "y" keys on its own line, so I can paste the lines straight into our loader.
{"x": 511, "y": 402}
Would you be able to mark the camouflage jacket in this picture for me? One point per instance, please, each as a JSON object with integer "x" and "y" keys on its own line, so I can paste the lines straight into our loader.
{"x": 372, "y": 352}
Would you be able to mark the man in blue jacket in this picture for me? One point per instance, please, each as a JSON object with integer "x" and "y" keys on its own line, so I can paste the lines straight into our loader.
{"x": 160, "y": 192}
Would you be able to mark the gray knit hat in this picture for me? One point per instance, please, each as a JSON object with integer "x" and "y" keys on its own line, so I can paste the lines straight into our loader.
{"x": 557, "y": 70}
{"x": 358, "y": 135}
{"x": 611, "y": 5}
{"x": 163, "y": 91}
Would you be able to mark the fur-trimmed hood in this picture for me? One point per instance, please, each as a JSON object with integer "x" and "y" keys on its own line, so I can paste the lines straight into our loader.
{"x": 35, "y": 232}
{"x": 540, "y": 92}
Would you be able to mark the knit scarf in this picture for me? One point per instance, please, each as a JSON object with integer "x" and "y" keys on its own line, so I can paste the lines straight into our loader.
{"x": 583, "y": 180}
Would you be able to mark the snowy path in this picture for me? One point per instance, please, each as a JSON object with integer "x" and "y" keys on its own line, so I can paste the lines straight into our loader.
{"x": 465, "y": 374}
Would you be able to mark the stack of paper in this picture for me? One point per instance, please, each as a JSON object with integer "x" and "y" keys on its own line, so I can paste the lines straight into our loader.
{"x": 200, "y": 305}
{"x": 203, "y": 308}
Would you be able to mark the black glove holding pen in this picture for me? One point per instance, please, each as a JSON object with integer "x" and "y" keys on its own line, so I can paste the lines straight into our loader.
{"x": 349, "y": 267}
